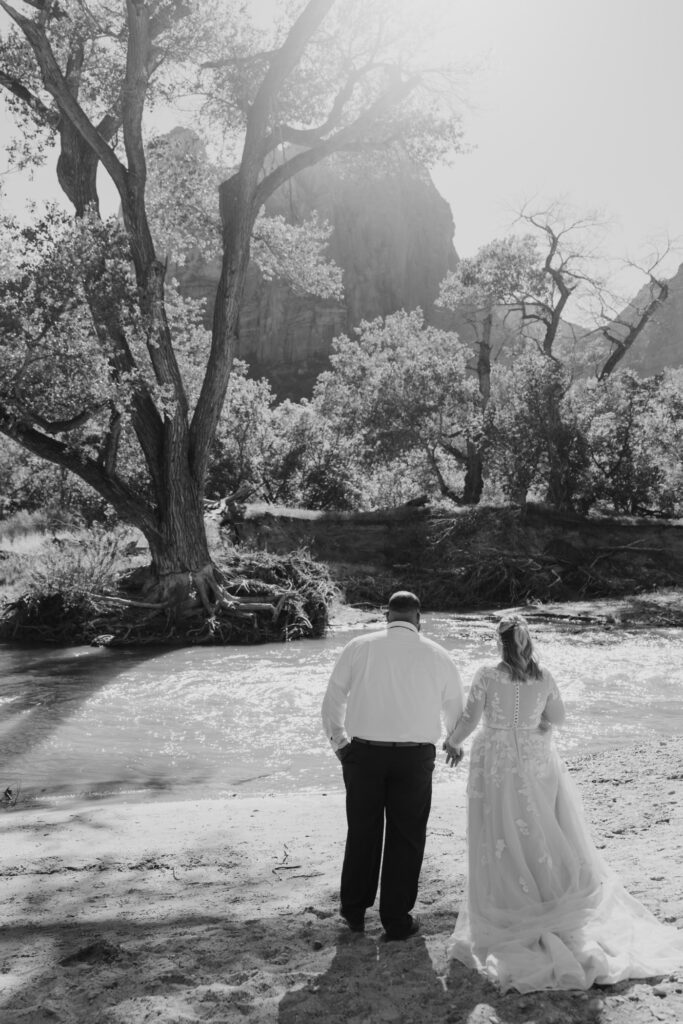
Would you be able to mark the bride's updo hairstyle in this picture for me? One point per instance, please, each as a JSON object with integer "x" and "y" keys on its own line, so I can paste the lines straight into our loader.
{"x": 518, "y": 650}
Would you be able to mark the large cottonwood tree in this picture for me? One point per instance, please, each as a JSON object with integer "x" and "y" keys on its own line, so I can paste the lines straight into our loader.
{"x": 335, "y": 76}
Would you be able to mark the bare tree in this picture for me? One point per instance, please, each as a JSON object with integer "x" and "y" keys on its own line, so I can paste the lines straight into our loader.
{"x": 570, "y": 273}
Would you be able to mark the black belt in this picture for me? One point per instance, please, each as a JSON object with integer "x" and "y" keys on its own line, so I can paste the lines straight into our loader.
{"x": 390, "y": 743}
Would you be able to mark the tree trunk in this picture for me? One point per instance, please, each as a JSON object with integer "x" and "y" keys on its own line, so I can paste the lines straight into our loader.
{"x": 446, "y": 491}
{"x": 561, "y": 488}
{"x": 474, "y": 469}
{"x": 474, "y": 476}
{"x": 484, "y": 360}
{"x": 77, "y": 170}
{"x": 179, "y": 546}
{"x": 181, "y": 562}
{"x": 237, "y": 216}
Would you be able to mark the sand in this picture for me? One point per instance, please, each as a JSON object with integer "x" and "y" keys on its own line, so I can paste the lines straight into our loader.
{"x": 226, "y": 910}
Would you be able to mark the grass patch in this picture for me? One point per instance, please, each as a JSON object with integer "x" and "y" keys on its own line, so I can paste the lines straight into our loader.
{"x": 79, "y": 564}
{"x": 26, "y": 531}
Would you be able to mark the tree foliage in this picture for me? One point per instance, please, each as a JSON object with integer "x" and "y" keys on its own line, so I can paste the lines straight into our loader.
{"x": 399, "y": 387}
{"x": 500, "y": 274}
{"x": 535, "y": 439}
{"x": 634, "y": 428}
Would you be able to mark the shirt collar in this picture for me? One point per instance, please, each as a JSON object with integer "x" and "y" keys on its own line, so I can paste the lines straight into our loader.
{"x": 400, "y": 624}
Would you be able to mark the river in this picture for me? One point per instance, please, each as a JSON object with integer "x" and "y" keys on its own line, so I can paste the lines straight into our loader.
{"x": 210, "y": 722}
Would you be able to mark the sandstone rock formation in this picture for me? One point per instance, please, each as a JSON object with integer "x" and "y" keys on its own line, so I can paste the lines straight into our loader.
{"x": 661, "y": 343}
{"x": 393, "y": 237}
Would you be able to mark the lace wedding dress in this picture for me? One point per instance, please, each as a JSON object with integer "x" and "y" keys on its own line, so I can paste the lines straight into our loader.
{"x": 542, "y": 909}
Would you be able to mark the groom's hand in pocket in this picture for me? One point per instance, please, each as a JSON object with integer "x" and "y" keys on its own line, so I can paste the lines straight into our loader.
{"x": 341, "y": 752}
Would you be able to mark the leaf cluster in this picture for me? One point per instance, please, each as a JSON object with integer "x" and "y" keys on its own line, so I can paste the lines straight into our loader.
{"x": 400, "y": 384}
{"x": 56, "y": 365}
{"x": 506, "y": 271}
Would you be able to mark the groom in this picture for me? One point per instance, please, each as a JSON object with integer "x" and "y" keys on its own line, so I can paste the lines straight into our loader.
{"x": 382, "y": 713}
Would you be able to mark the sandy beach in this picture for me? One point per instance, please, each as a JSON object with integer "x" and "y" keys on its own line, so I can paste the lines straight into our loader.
{"x": 226, "y": 910}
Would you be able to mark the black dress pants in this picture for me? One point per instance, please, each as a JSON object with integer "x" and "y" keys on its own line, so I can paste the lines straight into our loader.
{"x": 392, "y": 786}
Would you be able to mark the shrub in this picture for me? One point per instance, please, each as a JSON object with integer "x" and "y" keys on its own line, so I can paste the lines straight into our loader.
{"x": 79, "y": 565}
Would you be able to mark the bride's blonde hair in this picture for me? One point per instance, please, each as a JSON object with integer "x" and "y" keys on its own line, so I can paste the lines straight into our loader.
{"x": 518, "y": 650}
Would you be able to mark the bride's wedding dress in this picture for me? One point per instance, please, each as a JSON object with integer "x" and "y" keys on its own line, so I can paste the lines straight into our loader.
{"x": 542, "y": 909}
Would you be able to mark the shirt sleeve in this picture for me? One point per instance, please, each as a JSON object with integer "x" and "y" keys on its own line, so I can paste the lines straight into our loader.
{"x": 553, "y": 711}
{"x": 474, "y": 708}
{"x": 454, "y": 697}
{"x": 336, "y": 698}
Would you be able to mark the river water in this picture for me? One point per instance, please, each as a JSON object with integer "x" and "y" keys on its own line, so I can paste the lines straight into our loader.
{"x": 209, "y": 722}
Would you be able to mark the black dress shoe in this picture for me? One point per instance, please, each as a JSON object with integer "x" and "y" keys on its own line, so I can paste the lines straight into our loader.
{"x": 356, "y": 924}
{"x": 412, "y": 929}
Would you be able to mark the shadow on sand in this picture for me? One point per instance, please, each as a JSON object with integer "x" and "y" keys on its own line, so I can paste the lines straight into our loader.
{"x": 293, "y": 968}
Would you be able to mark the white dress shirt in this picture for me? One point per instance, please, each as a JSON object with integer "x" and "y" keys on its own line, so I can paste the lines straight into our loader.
{"x": 392, "y": 685}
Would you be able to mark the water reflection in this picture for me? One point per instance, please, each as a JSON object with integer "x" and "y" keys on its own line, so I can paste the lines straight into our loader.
{"x": 213, "y": 721}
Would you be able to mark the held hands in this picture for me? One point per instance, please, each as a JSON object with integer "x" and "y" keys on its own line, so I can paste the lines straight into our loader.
{"x": 454, "y": 755}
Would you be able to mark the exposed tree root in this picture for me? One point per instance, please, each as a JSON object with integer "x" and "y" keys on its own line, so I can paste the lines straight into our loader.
{"x": 250, "y": 599}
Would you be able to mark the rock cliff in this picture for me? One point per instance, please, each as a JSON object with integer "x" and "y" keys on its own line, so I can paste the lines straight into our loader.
{"x": 393, "y": 238}
{"x": 661, "y": 343}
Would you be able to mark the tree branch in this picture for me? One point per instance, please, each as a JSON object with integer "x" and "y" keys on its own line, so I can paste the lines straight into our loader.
{"x": 633, "y": 330}
{"x": 46, "y": 8}
{"x": 62, "y": 426}
{"x": 123, "y": 498}
{"x": 56, "y": 84}
{"x": 240, "y": 199}
{"x": 149, "y": 271}
{"x": 110, "y": 445}
{"x": 446, "y": 491}
{"x": 313, "y": 136}
{"x": 41, "y": 113}
{"x": 282, "y": 64}
{"x": 350, "y": 137}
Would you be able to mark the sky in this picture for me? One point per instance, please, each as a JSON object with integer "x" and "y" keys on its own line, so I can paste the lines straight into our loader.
{"x": 581, "y": 100}
{"x": 578, "y": 100}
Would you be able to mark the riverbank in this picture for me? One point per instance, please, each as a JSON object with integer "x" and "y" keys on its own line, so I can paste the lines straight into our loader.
{"x": 225, "y": 910}
{"x": 523, "y": 567}
{"x": 472, "y": 557}
{"x": 648, "y": 610}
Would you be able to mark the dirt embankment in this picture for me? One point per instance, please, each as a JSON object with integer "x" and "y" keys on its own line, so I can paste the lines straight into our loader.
{"x": 473, "y": 558}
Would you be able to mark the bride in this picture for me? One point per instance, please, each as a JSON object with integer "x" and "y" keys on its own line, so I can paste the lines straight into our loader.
{"x": 542, "y": 909}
